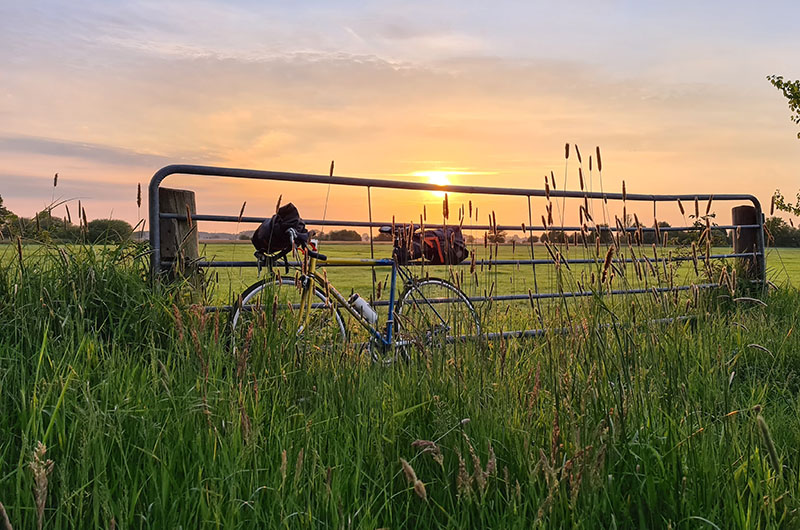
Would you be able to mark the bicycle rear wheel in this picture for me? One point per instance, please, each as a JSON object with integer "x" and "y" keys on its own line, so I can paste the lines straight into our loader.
{"x": 268, "y": 314}
{"x": 432, "y": 314}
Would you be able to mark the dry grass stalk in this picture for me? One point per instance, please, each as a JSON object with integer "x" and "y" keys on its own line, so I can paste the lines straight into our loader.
{"x": 580, "y": 176}
{"x": 4, "y": 515}
{"x": 599, "y": 160}
{"x": 607, "y": 264}
{"x": 55, "y": 180}
{"x": 138, "y": 195}
{"x": 430, "y": 447}
{"x": 178, "y": 321}
{"x": 566, "y": 151}
{"x": 298, "y": 468}
{"x": 463, "y": 479}
{"x": 445, "y": 207}
{"x": 19, "y": 255}
{"x": 478, "y": 474}
{"x": 680, "y": 207}
{"x": 491, "y": 464}
{"x": 241, "y": 212}
{"x": 578, "y": 154}
{"x": 328, "y": 476}
{"x": 41, "y": 467}
{"x": 283, "y": 467}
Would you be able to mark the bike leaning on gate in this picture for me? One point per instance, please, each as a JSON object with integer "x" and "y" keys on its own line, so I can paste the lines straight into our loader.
{"x": 303, "y": 306}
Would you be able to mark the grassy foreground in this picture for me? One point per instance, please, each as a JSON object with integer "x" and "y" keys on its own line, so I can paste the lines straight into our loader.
{"x": 149, "y": 421}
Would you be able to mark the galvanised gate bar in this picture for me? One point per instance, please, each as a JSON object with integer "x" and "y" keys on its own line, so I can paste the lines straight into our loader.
{"x": 755, "y": 253}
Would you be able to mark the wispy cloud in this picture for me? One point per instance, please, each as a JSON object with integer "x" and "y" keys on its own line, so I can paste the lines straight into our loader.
{"x": 104, "y": 154}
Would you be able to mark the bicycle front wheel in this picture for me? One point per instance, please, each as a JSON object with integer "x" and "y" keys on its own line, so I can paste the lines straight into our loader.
{"x": 269, "y": 314}
{"x": 432, "y": 314}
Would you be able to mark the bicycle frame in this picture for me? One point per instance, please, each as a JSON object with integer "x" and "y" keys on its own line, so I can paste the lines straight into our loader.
{"x": 386, "y": 338}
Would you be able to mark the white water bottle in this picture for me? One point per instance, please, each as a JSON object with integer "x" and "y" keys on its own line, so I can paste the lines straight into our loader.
{"x": 363, "y": 308}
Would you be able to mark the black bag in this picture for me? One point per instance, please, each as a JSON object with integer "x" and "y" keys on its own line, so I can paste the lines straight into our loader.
{"x": 272, "y": 236}
{"x": 438, "y": 246}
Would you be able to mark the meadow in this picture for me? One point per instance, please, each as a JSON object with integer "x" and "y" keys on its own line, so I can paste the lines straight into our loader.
{"x": 123, "y": 406}
{"x": 783, "y": 267}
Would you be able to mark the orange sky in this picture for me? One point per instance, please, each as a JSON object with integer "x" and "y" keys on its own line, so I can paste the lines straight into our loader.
{"x": 676, "y": 98}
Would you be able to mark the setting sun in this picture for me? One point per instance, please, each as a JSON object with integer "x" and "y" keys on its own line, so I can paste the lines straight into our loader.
{"x": 440, "y": 178}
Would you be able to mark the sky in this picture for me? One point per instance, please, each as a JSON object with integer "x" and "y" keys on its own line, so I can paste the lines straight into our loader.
{"x": 486, "y": 93}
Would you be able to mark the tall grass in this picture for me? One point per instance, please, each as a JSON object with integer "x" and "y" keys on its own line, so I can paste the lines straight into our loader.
{"x": 150, "y": 421}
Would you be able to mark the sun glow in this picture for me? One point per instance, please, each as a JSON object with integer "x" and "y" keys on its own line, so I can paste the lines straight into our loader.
{"x": 440, "y": 178}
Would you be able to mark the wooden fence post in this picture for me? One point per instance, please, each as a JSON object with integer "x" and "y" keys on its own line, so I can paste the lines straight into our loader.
{"x": 179, "y": 241}
{"x": 745, "y": 240}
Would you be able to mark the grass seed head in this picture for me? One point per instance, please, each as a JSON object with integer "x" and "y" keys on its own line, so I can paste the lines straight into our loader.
{"x": 298, "y": 468}
{"x": 4, "y": 517}
{"x": 770, "y": 445}
{"x": 463, "y": 479}
{"x": 41, "y": 467}
{"x": 419, "y": 489}
{"x": 408, "y": 471}
{"x": 283, "y": 465}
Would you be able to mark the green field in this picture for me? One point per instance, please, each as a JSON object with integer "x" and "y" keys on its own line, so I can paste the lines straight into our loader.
{"x": 151, "y": 421}
{"x": 783, "y": 266}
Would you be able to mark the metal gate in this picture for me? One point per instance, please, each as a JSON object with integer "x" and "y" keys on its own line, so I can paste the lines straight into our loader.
{"x": 550, "y": 256}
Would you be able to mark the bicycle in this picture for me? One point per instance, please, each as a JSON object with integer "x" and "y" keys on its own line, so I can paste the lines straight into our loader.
{"x": 429, "y": 313}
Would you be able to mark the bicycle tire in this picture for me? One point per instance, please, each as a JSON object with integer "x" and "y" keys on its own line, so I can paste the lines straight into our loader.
{"x": 432, "y": 314}
{"x": 272, "y": 298}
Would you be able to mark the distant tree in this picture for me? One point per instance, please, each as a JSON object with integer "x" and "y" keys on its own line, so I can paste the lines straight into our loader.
{"x": 5, "y": 215}
{"x": 497, "y": 237}
{"x": 343, "y": 235}
{"x": 781, "y": 234}
{"x": 4, "y": 212}
{"x": 791, "y": 91}
{"x": 41, "y": 227}
{"x": 244, "y": 237}
{"x": 108, "y": 230}
{"x": 382, "y": 237}
{"x": 554, "y": 236}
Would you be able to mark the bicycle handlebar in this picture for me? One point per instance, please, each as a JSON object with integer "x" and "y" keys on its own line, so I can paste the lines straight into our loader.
{"x": 294, "y": 237}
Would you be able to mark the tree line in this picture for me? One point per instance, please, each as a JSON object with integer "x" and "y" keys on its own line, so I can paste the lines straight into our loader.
{"x": 46, "y": 227}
